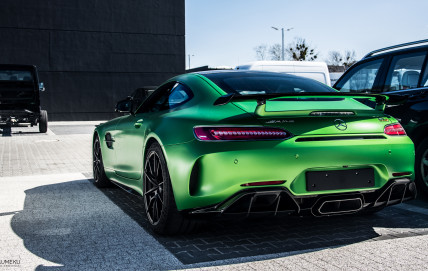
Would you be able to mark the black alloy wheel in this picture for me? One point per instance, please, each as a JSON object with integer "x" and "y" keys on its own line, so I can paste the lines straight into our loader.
{"x": 153, "y": 183}
{"x": 159, "y": 202}
{"x": 100, "y": 178}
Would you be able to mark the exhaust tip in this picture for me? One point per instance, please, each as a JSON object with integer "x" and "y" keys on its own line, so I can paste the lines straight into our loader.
{"x": 340, "y": 206}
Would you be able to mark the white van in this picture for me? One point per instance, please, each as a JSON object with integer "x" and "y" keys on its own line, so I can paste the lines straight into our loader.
{"x": 308, "y": 69}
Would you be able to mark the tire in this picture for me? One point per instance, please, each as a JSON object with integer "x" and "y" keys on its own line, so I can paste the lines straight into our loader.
{"x": 100, "y": 178}
{"x": 43, "y": 121}
{"x": 159, "y": 202}
{"x": 421, "y": 166}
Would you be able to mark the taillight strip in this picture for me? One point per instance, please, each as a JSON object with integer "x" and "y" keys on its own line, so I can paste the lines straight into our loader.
{"x": 237, "y": 133}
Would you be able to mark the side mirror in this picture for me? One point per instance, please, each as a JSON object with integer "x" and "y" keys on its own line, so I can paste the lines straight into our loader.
{"x": 41, "y": 86}
{"x": 124, "y": 106}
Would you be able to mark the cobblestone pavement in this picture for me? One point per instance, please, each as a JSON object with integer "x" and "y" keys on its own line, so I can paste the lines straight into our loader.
{"x": 52, "y": 217}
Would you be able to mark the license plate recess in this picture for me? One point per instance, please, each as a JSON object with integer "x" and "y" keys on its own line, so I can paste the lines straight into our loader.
{"x": 339, "y": 179}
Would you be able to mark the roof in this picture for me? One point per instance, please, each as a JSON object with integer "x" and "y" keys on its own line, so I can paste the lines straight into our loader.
{"x": 285, "y": 63}
{"x": 398, "y": 48}
{"x": 246, "y": 73}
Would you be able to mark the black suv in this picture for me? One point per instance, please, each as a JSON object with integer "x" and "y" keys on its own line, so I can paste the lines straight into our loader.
{"x": 20, "y": 96}
{"x": 401, "y": 70}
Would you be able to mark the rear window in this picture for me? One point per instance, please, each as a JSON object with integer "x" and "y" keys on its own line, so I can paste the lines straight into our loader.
{"x": 259, "y": 83}
{"x": 13, "y": 75}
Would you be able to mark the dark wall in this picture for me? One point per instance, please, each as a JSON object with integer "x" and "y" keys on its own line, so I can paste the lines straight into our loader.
{"x": 92, "y": 53}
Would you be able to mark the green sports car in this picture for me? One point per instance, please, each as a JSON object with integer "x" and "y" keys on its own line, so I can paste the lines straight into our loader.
{"x": 247, "y": 143}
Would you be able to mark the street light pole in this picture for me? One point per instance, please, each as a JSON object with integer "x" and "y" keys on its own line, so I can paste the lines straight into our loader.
{"x": 282, "y": 48}
{"x": 189, "y": 60}
{"x": 282, "y": 54}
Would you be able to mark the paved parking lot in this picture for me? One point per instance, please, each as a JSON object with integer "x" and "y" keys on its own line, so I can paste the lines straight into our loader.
{"x": 52, "y": 217}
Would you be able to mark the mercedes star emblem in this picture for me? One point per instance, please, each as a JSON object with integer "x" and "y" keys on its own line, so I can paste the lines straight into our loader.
{"x": 340, "y": 124}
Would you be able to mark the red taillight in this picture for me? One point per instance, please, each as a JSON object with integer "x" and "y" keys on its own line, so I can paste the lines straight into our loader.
{"x": 263, "y": 183}
{"x": 239, "y": 133}
{"x": 394, "y": 129}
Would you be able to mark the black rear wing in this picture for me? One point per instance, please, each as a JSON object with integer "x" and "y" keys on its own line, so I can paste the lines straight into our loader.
{"x": 261, "y": 98}
{"x": 379, "y": 99}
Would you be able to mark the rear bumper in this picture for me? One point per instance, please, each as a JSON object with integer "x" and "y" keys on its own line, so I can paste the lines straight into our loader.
{"x": 205, "y": 173}
{"x": 277, "y": 201}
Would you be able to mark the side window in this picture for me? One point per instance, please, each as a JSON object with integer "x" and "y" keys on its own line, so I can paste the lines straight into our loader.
{"x": 404, "y": 71}
{"x": 169, "y": 97}
{"x": 155, "y": 101}
{"x": 360, "y": 78}
{"x": 424, "y": 81}
{"x": 179, "y": 95}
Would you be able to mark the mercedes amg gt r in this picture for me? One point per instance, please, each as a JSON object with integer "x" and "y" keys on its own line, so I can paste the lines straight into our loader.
{"x": 246, "y": 143}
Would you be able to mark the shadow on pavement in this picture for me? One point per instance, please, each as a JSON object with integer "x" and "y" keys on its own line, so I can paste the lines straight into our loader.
{"x": 421, "y": 200}
{"x": 72, "y": 129}
{"x": 221, "y": 240}
{"x": 74, "y": 225}
{"x": 6, "y": 130}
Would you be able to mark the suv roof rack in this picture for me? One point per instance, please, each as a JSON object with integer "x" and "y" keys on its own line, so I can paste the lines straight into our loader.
{"x": 395, "y": 47}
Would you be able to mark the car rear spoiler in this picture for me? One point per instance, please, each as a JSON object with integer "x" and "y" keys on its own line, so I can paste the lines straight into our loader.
{"x": 379, "y": 99}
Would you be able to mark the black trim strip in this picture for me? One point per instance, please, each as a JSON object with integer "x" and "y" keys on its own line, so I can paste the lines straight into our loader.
{"x": 331, "y": 138}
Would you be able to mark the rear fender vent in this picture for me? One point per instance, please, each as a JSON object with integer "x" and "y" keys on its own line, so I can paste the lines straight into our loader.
{"x": 194, "y": 178}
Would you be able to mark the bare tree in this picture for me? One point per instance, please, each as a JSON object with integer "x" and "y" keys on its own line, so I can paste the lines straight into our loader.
{"x": 261, "y": 51}
{"x": 334, "y": 58}
{"x": 300, "y": 50}
{"x": 275, "y": 51}
{"x": 349, "y": 58}
{"x": 346, "y": 59}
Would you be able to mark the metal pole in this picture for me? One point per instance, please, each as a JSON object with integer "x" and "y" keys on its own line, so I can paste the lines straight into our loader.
{"x": 282, "y": 55}
{"x": 189, "y": 55}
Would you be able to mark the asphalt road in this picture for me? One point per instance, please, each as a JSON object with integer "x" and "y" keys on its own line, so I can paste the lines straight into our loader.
{"x": 53, "y": 217}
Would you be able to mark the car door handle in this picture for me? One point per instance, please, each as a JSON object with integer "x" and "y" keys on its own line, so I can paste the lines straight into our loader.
{"x": 138, "y": 124}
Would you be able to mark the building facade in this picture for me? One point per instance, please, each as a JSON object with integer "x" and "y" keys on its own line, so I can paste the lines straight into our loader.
{"x": 91, "y": 53}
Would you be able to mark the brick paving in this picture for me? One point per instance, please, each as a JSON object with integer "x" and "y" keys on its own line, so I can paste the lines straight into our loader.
{"x": 25, "y": 151}
{"x": 41, "y": 154}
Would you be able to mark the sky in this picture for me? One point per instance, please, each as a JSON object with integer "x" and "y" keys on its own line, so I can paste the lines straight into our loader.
{"x": 225, "y": 32}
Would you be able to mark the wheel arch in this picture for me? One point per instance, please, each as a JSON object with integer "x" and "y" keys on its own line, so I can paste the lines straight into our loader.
{"x": 151, "y": 139}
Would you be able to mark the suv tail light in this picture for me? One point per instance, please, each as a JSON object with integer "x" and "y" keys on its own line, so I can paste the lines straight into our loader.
{"x": 394, "y": 129}
{"x": 239, "y": 133}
